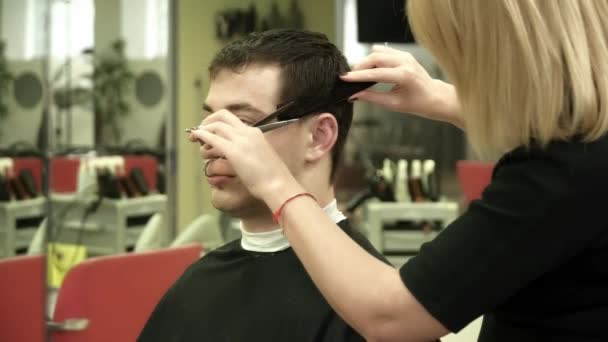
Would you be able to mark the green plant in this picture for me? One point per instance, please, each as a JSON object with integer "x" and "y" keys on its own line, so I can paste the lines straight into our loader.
{"x": 5, "y": 80}
{"x": 111, "y": 78}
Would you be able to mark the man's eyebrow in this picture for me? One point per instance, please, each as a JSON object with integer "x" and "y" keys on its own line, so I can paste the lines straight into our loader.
{"x": 237, "y": 106}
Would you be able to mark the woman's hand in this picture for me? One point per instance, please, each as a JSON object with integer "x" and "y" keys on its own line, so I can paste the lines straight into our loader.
{"x": 253, "y": 159}
{"x": 414, "y": 91}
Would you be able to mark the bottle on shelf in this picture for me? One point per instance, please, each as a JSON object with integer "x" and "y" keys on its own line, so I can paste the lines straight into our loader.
{"x": 388, "y": 172}
{"x": 415, "y": 181}
{"x": 429, "y": 180}
{"x": 402, "y": 193}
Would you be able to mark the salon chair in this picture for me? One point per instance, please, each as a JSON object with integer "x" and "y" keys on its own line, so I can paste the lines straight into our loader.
{"x": 22, "y": 299}
{"x": 110, "y": 298}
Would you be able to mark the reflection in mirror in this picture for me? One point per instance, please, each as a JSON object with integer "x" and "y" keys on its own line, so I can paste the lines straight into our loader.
{"x": 23, "y": 55}
{"x": 22, "y": 65}
{"x": 109, "y": 105}
{"x": 109, "y": 68}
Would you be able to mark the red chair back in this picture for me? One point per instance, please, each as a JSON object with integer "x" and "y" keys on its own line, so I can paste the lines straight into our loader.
{"x": 118, "y": 293}
{"x": 22, "y": 299}
{"x": 64, "y": 174}
{"x": 30, "y": 163}
{"x": 474, "y": 176}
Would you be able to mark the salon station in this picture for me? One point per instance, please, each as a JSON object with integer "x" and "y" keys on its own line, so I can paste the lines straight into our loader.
{"x": 105, "y": 200}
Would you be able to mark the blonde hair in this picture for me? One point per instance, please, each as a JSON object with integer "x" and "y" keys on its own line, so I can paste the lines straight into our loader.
{"x": 524, "y": 70}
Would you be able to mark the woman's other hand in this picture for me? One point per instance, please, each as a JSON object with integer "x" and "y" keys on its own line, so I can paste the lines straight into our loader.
{"x": 414, "y": 91}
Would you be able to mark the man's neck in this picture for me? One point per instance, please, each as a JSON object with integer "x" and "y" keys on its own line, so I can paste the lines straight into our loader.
{"x": 263, "y": 221}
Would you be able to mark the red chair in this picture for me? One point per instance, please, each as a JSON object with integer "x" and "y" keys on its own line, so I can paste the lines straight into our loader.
{"x": 116, "y": 294}
{"x": 22, "y": 298}
{"x": 474, "y": 176}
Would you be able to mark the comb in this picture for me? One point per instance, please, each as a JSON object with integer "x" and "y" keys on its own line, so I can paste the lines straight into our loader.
{"x": 342, "y": 92}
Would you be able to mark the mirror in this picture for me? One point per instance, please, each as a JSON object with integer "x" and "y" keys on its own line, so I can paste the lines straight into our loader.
{"x": 109, "y": 124}
{"x": 109, "y": 108}
{"x": 23, "y": 145}
{"x": 22, "y": 99}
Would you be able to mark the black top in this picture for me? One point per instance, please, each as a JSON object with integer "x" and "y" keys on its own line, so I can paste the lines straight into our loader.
{"x": 532, "y": 254}
{"x": 236, "y": 295}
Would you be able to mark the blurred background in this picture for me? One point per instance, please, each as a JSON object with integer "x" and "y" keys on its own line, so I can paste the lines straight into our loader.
{"x": 94, "y": 97}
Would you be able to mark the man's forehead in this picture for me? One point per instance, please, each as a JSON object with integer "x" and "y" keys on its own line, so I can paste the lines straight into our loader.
{"x": 253, "y": 89}
{"x": 250, "y": 72}
{"x": 236, "y": 106}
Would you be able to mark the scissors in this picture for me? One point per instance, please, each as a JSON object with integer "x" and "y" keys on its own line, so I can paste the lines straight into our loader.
{"x": 342, "y": 92}
{"x": 264, "y": 124}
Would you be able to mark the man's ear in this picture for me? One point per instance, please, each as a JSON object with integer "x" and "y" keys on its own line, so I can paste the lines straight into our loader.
{"x": 323, "y": 136}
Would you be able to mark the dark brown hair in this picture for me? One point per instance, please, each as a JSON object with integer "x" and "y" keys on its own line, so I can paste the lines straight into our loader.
{"x": 310, "y": 66}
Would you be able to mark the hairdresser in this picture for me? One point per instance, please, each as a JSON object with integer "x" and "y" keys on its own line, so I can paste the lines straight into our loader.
{"x": 530, "y": 86}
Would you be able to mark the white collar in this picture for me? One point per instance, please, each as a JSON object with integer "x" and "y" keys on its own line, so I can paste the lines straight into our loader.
{"x": 275, "y": 240}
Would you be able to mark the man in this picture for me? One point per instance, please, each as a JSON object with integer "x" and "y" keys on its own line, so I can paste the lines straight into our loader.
{"x": 254, "y": 288}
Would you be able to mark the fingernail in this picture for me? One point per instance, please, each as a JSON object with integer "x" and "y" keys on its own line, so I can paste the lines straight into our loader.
{"x": 352, "y": 99}
{"x": 194, "y": 128}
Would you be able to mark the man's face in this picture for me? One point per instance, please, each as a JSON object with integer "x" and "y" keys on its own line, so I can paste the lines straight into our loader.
{"x": 250, "y": 94}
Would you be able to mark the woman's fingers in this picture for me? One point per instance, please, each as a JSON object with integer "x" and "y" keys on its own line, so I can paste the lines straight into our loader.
{"x": 379, "y": 60}
{"x": 222, "y": 129}
{"x": 192, "y": 137}
{"x": 382, "y": 75}
{"x": 222, "y": 115}
{"x": 386, "y": 49}
{"x": 218, "y": 128}
{"x": 223, "y": 145}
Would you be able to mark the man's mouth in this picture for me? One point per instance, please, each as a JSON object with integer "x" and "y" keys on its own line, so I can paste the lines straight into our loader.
{"x": 219, "y": 180}
{"x": 218, "y": 174}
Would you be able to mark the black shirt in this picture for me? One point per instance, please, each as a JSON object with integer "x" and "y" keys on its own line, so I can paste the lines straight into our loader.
{"x": 531, "y": 254}
{"x": 232, "y": 294}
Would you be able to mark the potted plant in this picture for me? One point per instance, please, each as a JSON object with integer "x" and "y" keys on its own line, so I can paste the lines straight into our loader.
{"x": 111, "y": 80}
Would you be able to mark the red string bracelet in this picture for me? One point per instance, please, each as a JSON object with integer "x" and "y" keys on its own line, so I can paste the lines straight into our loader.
{"x": 277, "y": 214}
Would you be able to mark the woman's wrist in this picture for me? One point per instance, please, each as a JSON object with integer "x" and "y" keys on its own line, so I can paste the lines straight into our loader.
{"x": 448, "y": 105}
{"x": 280, "y": 190}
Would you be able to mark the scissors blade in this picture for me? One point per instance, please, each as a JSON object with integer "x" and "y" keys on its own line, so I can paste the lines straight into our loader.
{"x": 274, "y": 115}
{"x": 275, "y": 125}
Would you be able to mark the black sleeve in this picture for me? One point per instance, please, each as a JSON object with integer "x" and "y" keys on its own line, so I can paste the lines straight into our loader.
{"x": 530, "y": 220}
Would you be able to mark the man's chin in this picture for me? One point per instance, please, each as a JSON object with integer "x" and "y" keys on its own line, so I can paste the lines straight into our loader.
{"x": 226, "y": 201}
{"x": 233, "y": 204}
